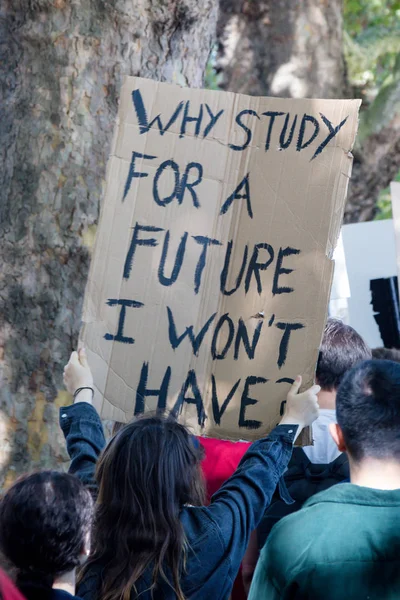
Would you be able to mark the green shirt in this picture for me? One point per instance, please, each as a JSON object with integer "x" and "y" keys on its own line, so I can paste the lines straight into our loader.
{"x": 343, "y": 545}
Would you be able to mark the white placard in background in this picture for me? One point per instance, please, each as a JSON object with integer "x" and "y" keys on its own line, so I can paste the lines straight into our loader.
{"x": 370, "y": 252}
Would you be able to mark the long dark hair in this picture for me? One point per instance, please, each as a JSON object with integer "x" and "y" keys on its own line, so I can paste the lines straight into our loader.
{"x": 45, "y": 521}
{"x": 149, "y": 470}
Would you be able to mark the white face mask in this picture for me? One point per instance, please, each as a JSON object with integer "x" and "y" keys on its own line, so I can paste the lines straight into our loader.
{"x": 324, "y": 450}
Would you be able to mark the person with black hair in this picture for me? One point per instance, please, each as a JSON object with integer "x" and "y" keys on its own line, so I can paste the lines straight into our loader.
{"x": 345, "y": 542}
{"x": 45, "y": 521}
{"x": 313, "y": 469}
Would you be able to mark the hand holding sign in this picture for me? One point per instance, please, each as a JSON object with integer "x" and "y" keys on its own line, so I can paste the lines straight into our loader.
{"x": 301, "y": 409}
{"x": 77, "y": 373}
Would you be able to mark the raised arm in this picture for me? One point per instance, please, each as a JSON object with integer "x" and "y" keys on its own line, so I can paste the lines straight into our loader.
{"x": 239, "y": 505}
{"x": 80, "y": 422}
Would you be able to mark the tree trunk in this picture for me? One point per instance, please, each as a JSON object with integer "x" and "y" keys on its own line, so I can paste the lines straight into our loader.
{"x": 61, "y": 66}
{"x": 376, "y": 155}
{"x": 287, "y": 48}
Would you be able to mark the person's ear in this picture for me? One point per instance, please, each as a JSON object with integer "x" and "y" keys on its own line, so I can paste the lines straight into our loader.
{"x": 338, "y": 437}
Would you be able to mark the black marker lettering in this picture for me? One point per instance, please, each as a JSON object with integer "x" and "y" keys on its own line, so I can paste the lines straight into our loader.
{"x": 119, "y": 337}
{"x": 225, "y": 270}
{"x": 191, "y": 382}
{"x": 246, "y": 401}
{"x": 231, "y": 332}
{"x": 178, "y": 260}
{"x": 142, "y": 392}
{"x": 132, "y": 173}
{"x": 287, "y": 329}
{"x": 187, "y": 119}
{"x": 272, "y": 115}
{"x": 242, "y": 336}
{"x": 255, "y": 266}
{"x": 245, "y": 129}
{"x": 286, "y": 143}
{"x": 217, "y": 411}
{"x": 213, "y": 120}
{"x": 236, "y": 196}
{"x": 141, "y": 115}
{"x": 138, "y": 242}
{"x": 164, "y": 165}
{"x": 196, "y": 340}
{"x": 301, "y": 144}
{"x": 205, "y": 242}
{"x": 184, "y": 185}
{"x": 279, "y": 270}
{"x": 333, "y": 131}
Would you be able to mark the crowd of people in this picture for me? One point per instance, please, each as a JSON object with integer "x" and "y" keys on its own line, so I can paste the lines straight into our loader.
{"x": 156, "y": 513}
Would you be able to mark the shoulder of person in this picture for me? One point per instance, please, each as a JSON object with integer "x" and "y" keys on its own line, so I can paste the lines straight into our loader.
{"x": 302, "y": 528}
{"x": 335, "y": 495}
{"x": 88, "y": 587}
{"x": 62, "y": 595}
{"x": 282, "y": 551}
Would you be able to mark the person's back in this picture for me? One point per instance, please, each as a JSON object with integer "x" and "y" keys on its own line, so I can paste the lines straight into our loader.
{"x": 45, "y": 521}
{"x": 303, "y": 479}
{"x": 316, "y": 468}
{"x": 126, "y": 552}
{"x": 345, "y": 542}
{"x": 153, "y": 539}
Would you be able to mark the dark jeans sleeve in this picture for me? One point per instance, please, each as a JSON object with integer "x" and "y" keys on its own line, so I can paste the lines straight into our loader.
{"x": 85, "y": 439}
{"x": 239, "y": 505}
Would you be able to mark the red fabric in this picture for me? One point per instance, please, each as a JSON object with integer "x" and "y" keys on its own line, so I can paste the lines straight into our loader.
{"x": 8, "y": 589}
{"x": 220, "y": 462}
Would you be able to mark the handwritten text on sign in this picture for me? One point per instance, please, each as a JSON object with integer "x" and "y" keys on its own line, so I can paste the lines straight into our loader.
{"x": 211, "y": 275}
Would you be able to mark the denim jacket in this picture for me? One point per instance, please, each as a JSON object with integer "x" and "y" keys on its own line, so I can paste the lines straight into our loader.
{"x": 32, "y": 592}
{"x": 217, "y": 535}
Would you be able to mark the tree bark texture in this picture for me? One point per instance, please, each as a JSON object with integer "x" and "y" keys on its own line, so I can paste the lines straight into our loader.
{"x": 62, "y": 63}
{"x": 287, "y": 48}
{"x": 377, "y": 153}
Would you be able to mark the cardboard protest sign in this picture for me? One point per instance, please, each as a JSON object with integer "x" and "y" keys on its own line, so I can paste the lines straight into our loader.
{"x": 211, "y": 274}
